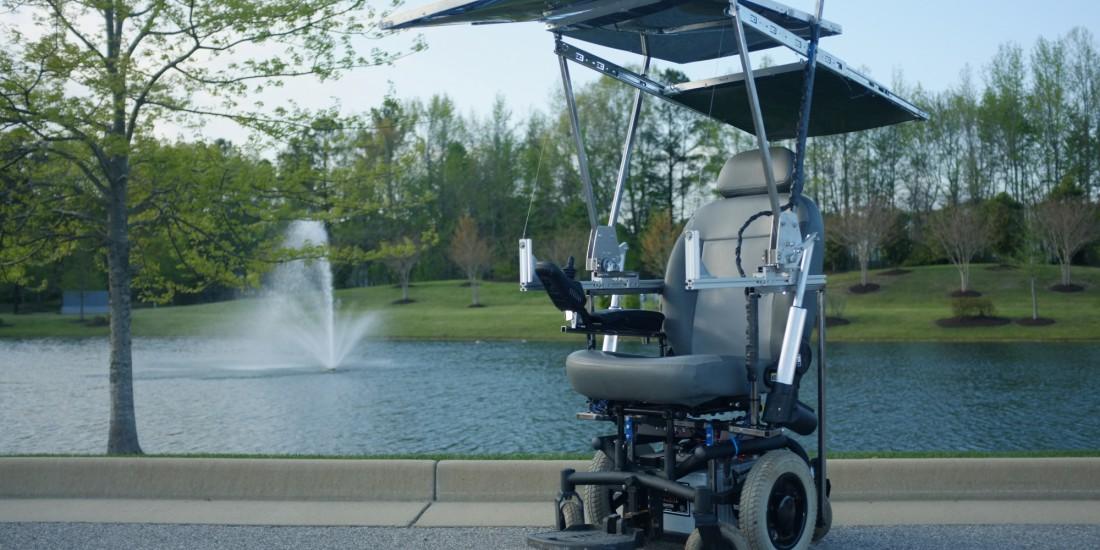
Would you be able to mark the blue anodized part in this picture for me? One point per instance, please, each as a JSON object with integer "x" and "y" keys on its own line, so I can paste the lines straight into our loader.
{"x": 629, "y": 429}
{"x": 710, "y": 434}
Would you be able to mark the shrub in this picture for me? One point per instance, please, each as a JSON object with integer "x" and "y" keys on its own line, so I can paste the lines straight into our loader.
{"x": 968, "y": 306}
{"x": 631, "y": 301}
{"x": 99, "y": 321}
{"x": 835, "y": 305}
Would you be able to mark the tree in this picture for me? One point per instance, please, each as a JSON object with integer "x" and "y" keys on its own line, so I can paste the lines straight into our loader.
{"x": 1066, "y": 226}
{"x": 657, "y": 242}
{"x": 1030, "y": 257}
{"x": 961, "y": 233}
{"x": 471, "y": 253}
{"x": 401, "y": 256}
{"x": 93, "y": 78}
{"x": 863, "y": 230}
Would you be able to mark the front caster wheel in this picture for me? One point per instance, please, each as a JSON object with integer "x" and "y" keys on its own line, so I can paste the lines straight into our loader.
{"x": 731, "y": 539}
{"x": 778, "y": 503}
{"x": 573, "y": 513}
{"x": 598, "y": 498}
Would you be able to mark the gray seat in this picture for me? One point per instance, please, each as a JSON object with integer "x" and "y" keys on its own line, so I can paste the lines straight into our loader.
{"x": 706, "y": 329}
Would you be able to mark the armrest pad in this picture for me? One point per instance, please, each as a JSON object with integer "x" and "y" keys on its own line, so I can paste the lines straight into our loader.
{"x": 629, "y": 320}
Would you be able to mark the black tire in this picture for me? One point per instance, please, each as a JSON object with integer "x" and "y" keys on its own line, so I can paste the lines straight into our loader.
{"x": 733, "y": 539}
{"x": 778, "y": 503}
{"x": 573, "y": 513}
{"x": 827, "y": 521}
{"x": 597, "y": 498}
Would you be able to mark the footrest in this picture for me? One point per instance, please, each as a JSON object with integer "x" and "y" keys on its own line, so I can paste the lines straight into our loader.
{"x": 588, "y": 537}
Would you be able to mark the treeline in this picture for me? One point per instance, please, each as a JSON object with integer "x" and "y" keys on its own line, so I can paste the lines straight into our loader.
{"x": 399, "y": 184}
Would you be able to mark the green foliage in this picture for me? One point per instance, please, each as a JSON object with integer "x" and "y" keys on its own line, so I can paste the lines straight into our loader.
{"x": 836, "y": 304}
{"x": 1006, "y": 224}
{"x": 972, "y": 306}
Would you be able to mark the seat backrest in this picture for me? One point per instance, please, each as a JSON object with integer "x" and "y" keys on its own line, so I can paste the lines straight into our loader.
{"x": 714, "y": 321}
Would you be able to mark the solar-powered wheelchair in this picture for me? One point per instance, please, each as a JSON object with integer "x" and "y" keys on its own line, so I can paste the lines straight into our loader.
{"x": 702, "y": 451}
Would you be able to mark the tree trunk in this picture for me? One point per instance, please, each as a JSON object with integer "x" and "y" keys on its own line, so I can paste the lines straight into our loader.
{"x": 405, "y": 285}
{"x": 122, "y": 437}
{"x": 1065, "y": 271}
{"x": 863, "y": 263}
{"x": 475, "y": 287}
{"x": 964, "y": 277}
{"x": 1034, "y": 301}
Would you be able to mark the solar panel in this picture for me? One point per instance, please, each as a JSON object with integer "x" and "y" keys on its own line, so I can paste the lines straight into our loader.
{"x": 680, "y": 31}
{"x": 844, "y": 101}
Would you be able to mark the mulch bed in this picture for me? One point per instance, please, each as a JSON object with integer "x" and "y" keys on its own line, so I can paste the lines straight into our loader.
{"x": 965, "y": 294}
{"x": 1067, "y": 288}
{"x": 963, "y": 322}
{"x": 863, "y": 289}
{"x": 895, "y": 272}
{"x": 476, "y": 305}
{"x": 402, "y": 302}
{"x": 836, "y": 321}
{"x": 1002, "y": 267}
{"x": 1040, "y": 322}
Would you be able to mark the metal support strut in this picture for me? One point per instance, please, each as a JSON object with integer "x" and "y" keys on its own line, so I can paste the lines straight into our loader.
{"x": 821, "y": 475}
{"x": 799, "y": 177}
{"x": 761, "y": 134}
{"x": 582, "y": 156}
{"x": 611, "y": 341}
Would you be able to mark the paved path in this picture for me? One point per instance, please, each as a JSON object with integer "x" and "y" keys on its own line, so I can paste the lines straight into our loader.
{"x": 112, "y": 536}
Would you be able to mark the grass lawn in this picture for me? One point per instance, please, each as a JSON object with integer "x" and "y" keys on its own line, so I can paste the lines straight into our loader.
{"x": 904, "y": 309}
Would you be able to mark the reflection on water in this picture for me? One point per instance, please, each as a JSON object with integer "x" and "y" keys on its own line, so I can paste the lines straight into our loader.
{"x": 396, "y": 397}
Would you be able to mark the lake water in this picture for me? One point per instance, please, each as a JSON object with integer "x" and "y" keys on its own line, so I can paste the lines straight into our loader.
{"x": 404, "y": 397}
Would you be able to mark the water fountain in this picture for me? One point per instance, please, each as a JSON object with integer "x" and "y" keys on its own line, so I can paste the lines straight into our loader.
{"x": 298, "y": 319}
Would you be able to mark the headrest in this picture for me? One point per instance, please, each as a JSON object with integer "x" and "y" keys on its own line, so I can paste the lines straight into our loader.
{"x": 743, "y": 174}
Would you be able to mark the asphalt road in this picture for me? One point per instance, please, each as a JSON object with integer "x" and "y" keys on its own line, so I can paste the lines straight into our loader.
{"x": 96, "y": 536}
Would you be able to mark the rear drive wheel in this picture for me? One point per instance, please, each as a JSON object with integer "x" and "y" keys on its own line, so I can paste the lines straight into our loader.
{"x": 597, "y": 498}
{"x": 731, "y": 538}
{"x": 778, "y": 503}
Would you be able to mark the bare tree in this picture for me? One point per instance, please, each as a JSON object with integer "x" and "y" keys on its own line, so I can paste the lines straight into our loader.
{"x": 471, "y": 253}
{"x": 1066, "y": 226}
{"x": 1030, "y": 258}
{"x": 961, "y": 233}
{"x": 566, "y": 242}
{"x": 863, "y": 229}
{"x": 402, "y": 255}
{"x": 657, "y": 241}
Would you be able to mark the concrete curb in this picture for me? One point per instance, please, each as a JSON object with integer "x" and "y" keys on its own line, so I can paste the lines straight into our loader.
{"x": 966, "y": 479}
{"x": 427, "y": 493}
{"x": 506, "y": 480}
{"x": 218, "y": 479}
{"x": 501, "y": 480}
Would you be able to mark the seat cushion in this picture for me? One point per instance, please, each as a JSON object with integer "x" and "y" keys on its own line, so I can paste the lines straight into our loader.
{"x": 686, "y": 380}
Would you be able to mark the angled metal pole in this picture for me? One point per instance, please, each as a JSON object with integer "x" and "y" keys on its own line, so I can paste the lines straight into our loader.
{"x": 799, "y": 177}
{"x": 628, "y": 145}
{"x": 582, "y": 156}
{"x": 758, "y": 124}
{"x": 611, "y": 341}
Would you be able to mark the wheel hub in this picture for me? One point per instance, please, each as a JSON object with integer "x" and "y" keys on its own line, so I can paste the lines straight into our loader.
{"x": 787, "y": 507}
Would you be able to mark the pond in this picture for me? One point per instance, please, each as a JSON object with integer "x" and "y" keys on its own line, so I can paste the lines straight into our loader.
{"x": 200, "y": 396}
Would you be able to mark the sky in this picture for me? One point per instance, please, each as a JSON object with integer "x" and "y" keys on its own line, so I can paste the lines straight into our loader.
{"x": 927, "y": 41}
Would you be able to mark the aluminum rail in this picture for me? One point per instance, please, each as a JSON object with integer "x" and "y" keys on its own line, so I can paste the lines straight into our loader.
{"x": 582, "y": 156}
{"x": 611, "y": 341}
{"x": 761, "y": 134}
